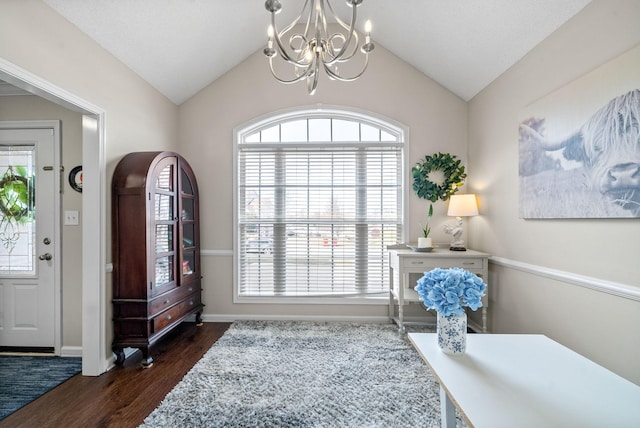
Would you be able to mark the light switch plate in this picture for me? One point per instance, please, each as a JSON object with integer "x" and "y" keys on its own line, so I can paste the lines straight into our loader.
{"x": 71, "y": 218}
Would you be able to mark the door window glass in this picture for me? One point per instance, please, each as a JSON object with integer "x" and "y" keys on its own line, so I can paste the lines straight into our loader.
{"x": 17, "y": 210}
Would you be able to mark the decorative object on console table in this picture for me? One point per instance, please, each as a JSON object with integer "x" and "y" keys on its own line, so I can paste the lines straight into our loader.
{"x": 460, "y": 206}
{"x": 156, "y": 250}
{"x": 424, "y": 241}
{"x": 449, "y": 291}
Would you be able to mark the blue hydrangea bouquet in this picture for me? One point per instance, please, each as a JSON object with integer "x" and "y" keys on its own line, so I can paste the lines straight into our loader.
{"x": 448, "y": 291}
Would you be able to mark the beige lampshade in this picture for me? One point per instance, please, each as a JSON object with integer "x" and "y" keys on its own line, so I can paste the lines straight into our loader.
{"x": 462, "y": 206}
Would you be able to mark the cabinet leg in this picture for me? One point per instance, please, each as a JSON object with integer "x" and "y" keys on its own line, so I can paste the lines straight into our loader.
{"x": 147, "y": 361}
{"x": 199, "y": 319}
{"x": 119, "y": 353}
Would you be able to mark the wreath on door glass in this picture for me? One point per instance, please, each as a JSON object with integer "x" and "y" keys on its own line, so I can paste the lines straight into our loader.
{"x": 438, "y": 176}
{"x": 16, "y": 199}
{"x": 15, "y": 194}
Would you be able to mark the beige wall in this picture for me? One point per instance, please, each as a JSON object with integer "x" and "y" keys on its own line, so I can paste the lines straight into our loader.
{"x": 435, "y": 117}
{"x": 600, "y": 326}
{"x": 35, "y": 108}
{"x": 35, "y": 38}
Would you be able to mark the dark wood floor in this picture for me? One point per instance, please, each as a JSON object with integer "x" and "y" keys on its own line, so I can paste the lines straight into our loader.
{"x": 124, "y": 396}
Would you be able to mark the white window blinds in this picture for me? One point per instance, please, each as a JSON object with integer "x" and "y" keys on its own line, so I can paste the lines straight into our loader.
{"x": 319, "y": 200}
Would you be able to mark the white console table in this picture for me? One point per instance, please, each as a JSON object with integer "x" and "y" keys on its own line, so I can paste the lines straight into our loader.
{"x": 404, "y": 262}
{"x": 520, "y": 380}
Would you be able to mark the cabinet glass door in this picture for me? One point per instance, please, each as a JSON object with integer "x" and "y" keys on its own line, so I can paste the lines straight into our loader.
{"x": 164, "y": 224}
{"x": 188, "y": 221}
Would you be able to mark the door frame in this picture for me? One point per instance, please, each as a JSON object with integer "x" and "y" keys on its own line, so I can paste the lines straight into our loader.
{"x": 57, "y": 228}
{"x": 95, "y": 358}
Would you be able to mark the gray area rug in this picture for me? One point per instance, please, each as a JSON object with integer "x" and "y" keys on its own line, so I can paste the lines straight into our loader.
{"x": 300, "y": 374}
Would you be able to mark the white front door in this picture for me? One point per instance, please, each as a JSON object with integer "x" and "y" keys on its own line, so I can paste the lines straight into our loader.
{"x": 28, "y": 263}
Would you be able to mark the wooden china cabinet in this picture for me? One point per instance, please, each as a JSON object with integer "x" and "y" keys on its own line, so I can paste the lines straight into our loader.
{"x": 156, "y": 250}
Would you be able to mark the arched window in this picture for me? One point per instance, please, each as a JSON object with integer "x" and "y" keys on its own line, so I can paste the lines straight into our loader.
{"x": 319, "y": 197}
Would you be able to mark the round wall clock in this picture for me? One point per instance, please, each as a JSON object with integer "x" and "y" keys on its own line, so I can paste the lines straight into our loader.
{"x": 75, "y": 178}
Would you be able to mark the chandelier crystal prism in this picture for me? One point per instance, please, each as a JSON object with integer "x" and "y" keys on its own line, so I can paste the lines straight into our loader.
{"x": 308, "y": 45}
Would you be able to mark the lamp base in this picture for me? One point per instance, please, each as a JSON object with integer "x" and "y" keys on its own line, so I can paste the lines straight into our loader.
{"x": 457, "y": 249}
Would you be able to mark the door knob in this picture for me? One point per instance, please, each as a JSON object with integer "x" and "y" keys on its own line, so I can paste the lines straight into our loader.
{"x": 46, "y": 256}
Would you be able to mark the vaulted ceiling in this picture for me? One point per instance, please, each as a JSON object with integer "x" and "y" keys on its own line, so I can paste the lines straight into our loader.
{"x": 181, "y": 46}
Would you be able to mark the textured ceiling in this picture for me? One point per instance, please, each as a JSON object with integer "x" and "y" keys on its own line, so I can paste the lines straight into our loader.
{"x": 181, "y": 46}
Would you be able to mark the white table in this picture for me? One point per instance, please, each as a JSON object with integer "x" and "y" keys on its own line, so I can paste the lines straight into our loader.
{"x": 524, "y": 381}
{"x": 404, "y": 262}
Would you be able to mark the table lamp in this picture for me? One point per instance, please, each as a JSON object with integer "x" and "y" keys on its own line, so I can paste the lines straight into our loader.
{"x": 460, "y": 206}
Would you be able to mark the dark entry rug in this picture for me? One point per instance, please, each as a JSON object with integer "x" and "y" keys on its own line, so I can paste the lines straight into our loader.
{"x": 23, "y": 379}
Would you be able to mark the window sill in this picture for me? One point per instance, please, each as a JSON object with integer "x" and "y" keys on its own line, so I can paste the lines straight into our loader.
{"x": 338, "y": 300}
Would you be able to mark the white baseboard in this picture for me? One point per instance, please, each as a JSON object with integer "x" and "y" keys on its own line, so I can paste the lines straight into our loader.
{"x": 71, "y": 351}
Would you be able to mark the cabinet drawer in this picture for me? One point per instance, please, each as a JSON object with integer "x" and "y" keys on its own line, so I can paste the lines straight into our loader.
{"x": 169, "y": 298}
{"x": 432, "y": 263}
{"x": 171, "y": 315}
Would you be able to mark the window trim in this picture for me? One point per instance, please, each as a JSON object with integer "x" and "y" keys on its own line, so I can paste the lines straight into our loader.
{"x": 315, "y": 112}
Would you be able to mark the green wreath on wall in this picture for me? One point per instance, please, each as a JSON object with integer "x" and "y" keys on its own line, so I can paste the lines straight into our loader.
{"x": 453, "y": 176}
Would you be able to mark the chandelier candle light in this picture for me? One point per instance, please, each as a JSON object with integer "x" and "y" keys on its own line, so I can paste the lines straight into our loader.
{"x": 316, "y": 47}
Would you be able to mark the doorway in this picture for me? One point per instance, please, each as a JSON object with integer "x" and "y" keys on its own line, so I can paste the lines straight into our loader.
{"x": 95, "y": 357}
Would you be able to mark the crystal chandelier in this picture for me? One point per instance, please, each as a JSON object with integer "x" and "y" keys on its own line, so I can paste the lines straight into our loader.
{"x": 316, "y": 47}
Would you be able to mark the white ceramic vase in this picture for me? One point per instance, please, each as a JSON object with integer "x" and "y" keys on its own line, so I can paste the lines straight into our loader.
{"x": 424, "y": 243}
{"x": 452, "y": 333}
